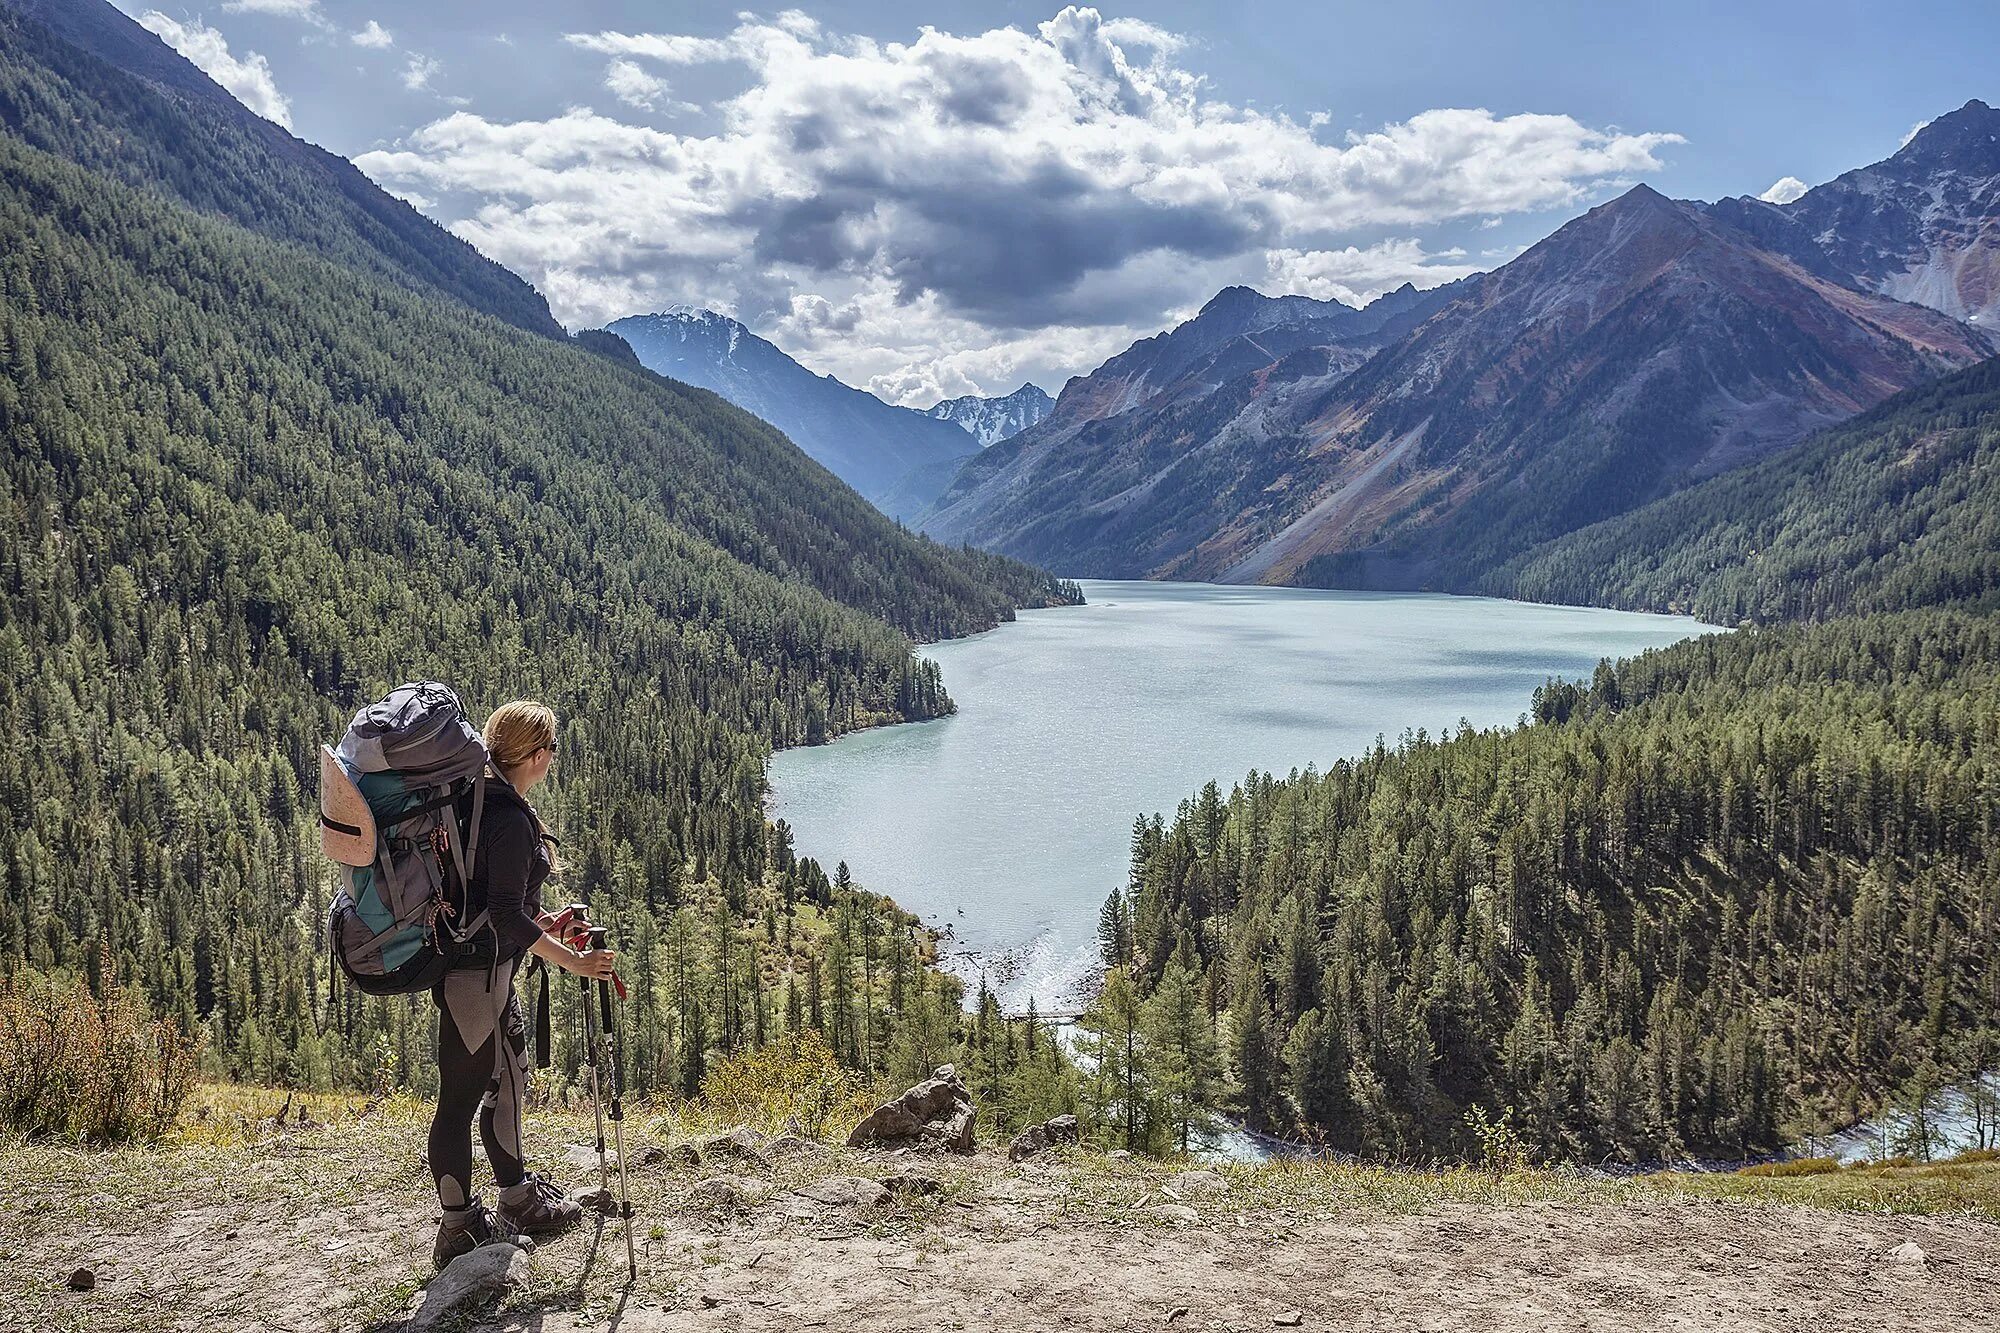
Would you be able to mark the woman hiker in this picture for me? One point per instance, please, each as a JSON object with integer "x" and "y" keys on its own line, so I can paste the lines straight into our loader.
{"x": 482, "y": 1039}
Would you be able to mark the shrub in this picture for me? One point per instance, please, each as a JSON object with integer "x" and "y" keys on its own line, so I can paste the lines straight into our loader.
{"x": 794, "y": 1078}
{"x": 1798, "y": 1166}
{"x": 88, "y": 1068}
{"x": 1971, "y": 1155}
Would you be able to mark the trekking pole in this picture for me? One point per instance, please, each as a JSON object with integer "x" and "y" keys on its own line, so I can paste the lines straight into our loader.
{"x": 590, "y": 1058}
{"x": 604, "y": 1009}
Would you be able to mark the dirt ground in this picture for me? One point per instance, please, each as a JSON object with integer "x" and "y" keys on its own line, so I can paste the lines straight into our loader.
{"x": 331, "y": 1229}
{"x": 1522, "y": 1267}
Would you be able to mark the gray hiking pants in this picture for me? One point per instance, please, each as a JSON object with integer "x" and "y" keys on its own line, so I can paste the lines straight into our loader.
{"x": 482, "y": 1070}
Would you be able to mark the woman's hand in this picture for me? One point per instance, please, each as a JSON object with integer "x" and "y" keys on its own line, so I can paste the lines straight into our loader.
{"x": 593, "y": 964}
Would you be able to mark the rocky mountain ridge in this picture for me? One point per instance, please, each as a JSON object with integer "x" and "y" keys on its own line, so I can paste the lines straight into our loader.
{"x": 991, "y": 420}
{"x": 1640, "y": 348}
{"x": 899, "y": 459}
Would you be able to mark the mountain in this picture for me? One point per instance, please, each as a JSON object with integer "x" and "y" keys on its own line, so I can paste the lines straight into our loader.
{"x": 1923, "y": 226}
{"x": 1135, "y": 415}
{"x": 897, "y": 457}
{"x": 991, "y": 420}
{"x": 1896, "y": 509}
{"x": 1640, "y": 348}
{"x": 259, "y": 472}
{"x": 82, "y": 81}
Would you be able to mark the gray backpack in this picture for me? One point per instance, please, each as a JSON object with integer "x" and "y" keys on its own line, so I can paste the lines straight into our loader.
{"x": 388, "y": 817}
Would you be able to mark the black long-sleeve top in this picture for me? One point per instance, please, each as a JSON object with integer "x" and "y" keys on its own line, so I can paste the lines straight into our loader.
{"x": 508, "y": 867}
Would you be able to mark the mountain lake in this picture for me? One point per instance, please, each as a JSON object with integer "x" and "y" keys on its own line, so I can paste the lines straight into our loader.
{"x": 1006, "y": 824}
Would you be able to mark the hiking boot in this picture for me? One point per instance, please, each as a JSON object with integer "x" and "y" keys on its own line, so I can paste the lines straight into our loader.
{"x": 540, "y": 1208}
{"x": 482, "y": 1227}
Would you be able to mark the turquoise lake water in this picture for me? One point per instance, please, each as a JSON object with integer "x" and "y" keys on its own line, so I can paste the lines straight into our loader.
{"x": 1010, "y": 821}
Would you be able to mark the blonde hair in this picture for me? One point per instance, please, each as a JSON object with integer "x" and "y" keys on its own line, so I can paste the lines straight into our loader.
{"x": 517, "y": 730}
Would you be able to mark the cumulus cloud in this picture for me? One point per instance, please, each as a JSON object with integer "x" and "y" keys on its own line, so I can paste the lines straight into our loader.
{"x": 248, "y": 79}
{"x": 977, "y": 191}
{"x": 1784, "y": 190}
{"x": 418, "y": 71}
{"x": 374, "y": 35}
{"x": 1359, "y": 274}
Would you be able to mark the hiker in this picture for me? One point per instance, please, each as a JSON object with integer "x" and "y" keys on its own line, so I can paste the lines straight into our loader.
{"x": 482, "y": 1038}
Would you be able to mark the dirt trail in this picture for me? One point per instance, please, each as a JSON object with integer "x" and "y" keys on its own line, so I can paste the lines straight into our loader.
{"x": 1524, "y": 1267}
{"x": 333, "y": 1232}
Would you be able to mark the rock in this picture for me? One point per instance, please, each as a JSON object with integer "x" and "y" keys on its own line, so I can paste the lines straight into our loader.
{"x": 1049, "y": 1134}
{"x": 469, "y": 1281}
{"x": 742, "y": 1143}
{"x": 653, "y": 1156}
{"x": 584, "y": 1157}
{"x": 82, "y": 1280}
{"x": 1118, "y": 1155}
{"x": 1178, "y": 1312}
{"x": 599, "y": 1201}
{"x": 687, "y": 1155}
{"x": 1288, "y": 1319}
{"x": 1027, "y": 1143}
{"x": 912, "y": 1185}
{"x": 936, "y": 1113}
{"x": 1199, "y": 1182}
{"x": 719, "y": 1193}
{"x": 1909, "y": 1252}
{"x": 856, "y": 1192}
{"x": 790, "y": 1145}
{"x": 1178, "y": 1213}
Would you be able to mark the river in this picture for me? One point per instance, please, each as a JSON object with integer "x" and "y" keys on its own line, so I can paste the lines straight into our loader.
{"x": 1007, "y": 823}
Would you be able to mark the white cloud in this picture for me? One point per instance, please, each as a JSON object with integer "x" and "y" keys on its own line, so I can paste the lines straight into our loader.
{"x": 633, "y": 86}
{"x": 1784, "y": 189}
{"x": 248, "y": 80}
{"x": 1359, "y": 274}
{"x": 374, "y": 35}
{"x": 972, "y": 198}
{"x": 417, "y": 73}
{"x": 306, "y": 11}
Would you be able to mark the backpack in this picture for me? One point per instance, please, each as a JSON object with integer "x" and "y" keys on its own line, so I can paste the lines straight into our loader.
{"x": 388, "y": 798}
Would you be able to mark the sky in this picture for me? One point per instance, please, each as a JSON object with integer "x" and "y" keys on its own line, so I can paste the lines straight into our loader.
{"x": 946, "y": 198}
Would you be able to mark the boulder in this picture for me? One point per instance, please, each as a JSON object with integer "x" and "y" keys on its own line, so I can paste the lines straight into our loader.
{"x": 599, "y": 1201}
{"x": 790, "y": 1145}
{"x": 742, "y": 1143}
{"x": 1909, "y": 1252}
{"x": 1049, "y": 1134}
{"x": 856, "y": 1192}
{"x": 1178, "y": 1213}
{"x": 721, "y": 1193}
{"x": 1197, "y": 1183}
{"x": 936, "y": 1113}
{"x": 467, "y": 1282}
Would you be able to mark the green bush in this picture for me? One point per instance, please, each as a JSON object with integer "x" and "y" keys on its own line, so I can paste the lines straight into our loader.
{"x": 88, "y": 1068}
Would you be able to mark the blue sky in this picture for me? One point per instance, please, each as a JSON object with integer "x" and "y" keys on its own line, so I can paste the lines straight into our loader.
{"x": 1024, "y": 189}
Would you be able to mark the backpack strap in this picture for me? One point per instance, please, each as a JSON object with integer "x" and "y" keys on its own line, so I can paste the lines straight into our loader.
{"x": 478, "y": 809}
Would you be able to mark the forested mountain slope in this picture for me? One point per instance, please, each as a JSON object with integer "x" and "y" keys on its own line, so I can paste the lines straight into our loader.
{"x": 1899, "y": 508}
{"x": 1729, "y": 893}
{"x": 250, "y": 485}
{"x": 83, "y": 81}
